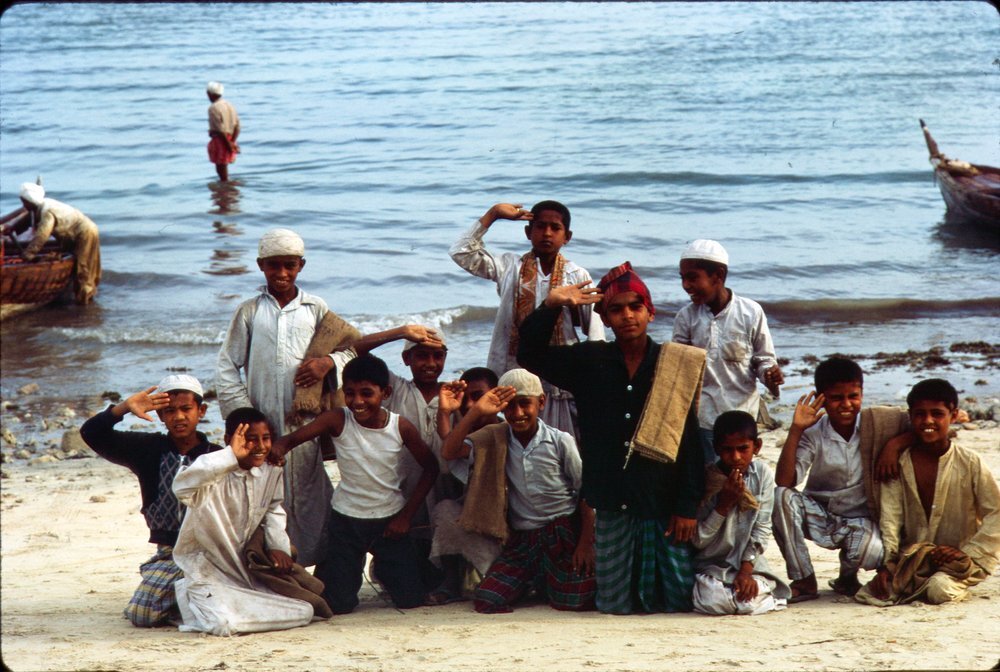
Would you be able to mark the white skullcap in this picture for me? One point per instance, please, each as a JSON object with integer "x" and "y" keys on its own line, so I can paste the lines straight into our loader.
{"x": 281, "y": 243}
{"x": 440, "y": 334}
{"x": 180, "y": 382}
{"x": 32, "y": 193}
{"x": 215, "y": 88}
{"x": 709, "y": 250}
{"x": 524, "y": 382}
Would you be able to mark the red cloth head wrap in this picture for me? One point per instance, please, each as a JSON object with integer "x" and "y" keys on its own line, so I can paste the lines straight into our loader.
{"x": 623, "y": 279}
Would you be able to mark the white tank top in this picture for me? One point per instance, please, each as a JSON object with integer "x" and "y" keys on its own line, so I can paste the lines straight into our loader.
{"x": 370, "y": 475}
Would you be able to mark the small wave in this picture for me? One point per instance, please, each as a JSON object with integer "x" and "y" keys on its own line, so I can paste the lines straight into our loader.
{"x": 440, "y": 318}
{"x": 876, "y": 310}
{"x": 144, "y": 335}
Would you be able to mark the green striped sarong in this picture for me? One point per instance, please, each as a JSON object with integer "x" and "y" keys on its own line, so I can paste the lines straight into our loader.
{"x": 638, "y": 569}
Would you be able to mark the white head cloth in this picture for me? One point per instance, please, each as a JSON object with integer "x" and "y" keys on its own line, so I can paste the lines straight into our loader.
{"x": 709, "y": 250}
{"x": 524, "y": 382}
{"x": 281, "y": 243}
{"x": 180, "y": 382}
{"x": 32, "y": 193}
{"x": 215, "y": 88}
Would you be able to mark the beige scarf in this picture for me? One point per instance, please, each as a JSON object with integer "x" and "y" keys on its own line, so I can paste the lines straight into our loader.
{"x": 485, "y": 508}
{"x": 715, "y": 480}
{"x": 524, "y": 297}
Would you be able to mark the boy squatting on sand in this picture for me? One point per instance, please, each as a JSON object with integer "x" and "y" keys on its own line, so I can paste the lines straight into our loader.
{"x": 522, "y": 282}
{"x": 941, "y": 519}
{"x": 232, "y": 495}
{"x": 369, "y": 511}
{"x": 733, "y": 332}
{"x": 644, "y": 508}
{"x": 525, "y": 477}
{"x": 155, "y": 460}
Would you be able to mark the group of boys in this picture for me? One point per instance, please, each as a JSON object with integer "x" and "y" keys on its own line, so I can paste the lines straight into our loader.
{"x": 617, "y": 475}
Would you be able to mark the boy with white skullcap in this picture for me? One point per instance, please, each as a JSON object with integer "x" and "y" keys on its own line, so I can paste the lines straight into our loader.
{"x": 734, "y": 334}
{"x": 70, "y": 227}
{"x": 155, "y": 459}
{"x": 223, "y": 129}
{"x": 531, "y": 472}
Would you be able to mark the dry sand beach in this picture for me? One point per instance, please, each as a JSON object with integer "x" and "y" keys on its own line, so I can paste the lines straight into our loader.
{"x": 72, "y": 540}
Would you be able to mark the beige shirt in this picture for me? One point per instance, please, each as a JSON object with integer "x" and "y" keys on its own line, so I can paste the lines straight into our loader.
{"x": 222, "y": 117}
{"x": 965, "y": 513}
{"x": 57, "y": 219}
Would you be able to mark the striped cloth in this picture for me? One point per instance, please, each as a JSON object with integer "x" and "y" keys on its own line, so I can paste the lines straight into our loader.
{"x": 638, "y": 569}
{"x": 154, "y": 602}
{"x": 541, "y": 559}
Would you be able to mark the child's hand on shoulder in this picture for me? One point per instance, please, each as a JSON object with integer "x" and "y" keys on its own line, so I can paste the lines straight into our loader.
{"x": 808, "y": 411}
{"x": 279, "y": 448}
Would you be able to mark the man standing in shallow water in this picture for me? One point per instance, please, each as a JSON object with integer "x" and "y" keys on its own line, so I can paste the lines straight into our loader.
{"x": 224, "y": 129}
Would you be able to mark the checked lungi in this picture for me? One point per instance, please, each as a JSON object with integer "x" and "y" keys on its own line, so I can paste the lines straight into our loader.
{"x": 638, "y": 569}
{"x": 541, "y": 559}
{"x": 154, "y": 602}
{"x": 798, "y": 517}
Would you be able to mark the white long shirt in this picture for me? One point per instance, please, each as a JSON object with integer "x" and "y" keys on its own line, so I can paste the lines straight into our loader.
{"x": 738, "y": 351}
{"x": 835, "y": 473}
{"x": 505, "y": 270}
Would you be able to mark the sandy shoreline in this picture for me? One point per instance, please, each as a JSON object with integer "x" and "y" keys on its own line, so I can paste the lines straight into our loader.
{"x": 72, "y": 540}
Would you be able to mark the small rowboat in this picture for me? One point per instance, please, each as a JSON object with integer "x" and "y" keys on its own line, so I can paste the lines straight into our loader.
{"x": 30, "y": 284}
{"x": 971, "y": 191}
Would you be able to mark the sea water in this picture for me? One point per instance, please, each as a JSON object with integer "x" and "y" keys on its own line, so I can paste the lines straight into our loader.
{"x": 380, "y": 132}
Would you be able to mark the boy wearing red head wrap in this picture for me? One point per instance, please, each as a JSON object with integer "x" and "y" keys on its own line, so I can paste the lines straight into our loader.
{"x": 645, "y": 508}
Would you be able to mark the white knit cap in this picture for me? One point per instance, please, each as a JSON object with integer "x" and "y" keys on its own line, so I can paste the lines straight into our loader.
{"x": 524, "y": 382}
{"x": 281, "y": 243}
{"x": 32, "y": 193}
{"x": 709, "y": 250}
{"x": 215, "y": 88}
{"x": 180, "y": 382}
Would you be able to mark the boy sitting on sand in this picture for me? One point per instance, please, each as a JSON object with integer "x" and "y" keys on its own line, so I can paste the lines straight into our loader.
{"x": 370, "y": 513}
{"x": 230, "y": 495}
{"x": 941, "y": 519}
{"x": 734, "y": 525}
{"x": 645, "y": 508}
{"x": 837, "y": 444}
{"x": 527, "y": 475}
{"x": 155, "y": 460}
{"x": 734, "y": 334}
{"x": 522, "y": 282}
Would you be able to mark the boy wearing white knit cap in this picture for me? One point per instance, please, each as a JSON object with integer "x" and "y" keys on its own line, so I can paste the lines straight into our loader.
{"x": 734, "y": 334}
{"x": 524, "y": 490}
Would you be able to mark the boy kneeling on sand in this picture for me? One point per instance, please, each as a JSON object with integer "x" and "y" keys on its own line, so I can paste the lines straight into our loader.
{"x": 941, "y": 519}
{"x": 528, "y": 475}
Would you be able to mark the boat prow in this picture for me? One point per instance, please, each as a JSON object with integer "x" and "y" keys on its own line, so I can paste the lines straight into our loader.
{"x": 971, "y": 191}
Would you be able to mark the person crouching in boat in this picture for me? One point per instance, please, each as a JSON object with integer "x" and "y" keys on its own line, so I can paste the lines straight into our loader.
{"x": 73, "y": 229}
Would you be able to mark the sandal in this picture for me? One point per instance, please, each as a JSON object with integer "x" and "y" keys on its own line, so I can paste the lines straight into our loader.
{"x": 802, "y": 597}
{"x": 845, "y": 585}
{"x": 441, "y": 597}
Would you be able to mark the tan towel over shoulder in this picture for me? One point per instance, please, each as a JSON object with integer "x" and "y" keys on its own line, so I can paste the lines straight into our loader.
{"x": 485, "y": 508}
{"x": 299, "y": 584}
{"x": 331, "y": 335}
{"x": 676, "y": 389}
{"x": 878, "y": 425}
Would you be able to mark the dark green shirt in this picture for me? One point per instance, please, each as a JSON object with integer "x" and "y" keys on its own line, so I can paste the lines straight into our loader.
{"x": 609, "y": 405}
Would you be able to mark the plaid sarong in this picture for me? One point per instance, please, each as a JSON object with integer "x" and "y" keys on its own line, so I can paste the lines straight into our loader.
{"x": 541, "y": 559}
{"x": 638, "y": 569}
{"x": 154, "y": 602}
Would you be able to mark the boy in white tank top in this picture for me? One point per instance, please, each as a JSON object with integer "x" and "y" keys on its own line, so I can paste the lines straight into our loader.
{"x": 370, "y": 513}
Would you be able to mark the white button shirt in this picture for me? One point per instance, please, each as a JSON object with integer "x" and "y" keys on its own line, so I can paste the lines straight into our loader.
{"x": 836, "y": 478}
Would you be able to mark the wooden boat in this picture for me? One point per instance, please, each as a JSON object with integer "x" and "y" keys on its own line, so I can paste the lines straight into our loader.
{"x": 25, "y": 285}
{"x": 971, "y": 191}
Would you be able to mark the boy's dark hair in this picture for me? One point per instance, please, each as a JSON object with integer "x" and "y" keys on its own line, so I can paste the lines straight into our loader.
{"x": 367, "y": 368}
{"x": 837, "y": 370}
{"x": 933, "y": 389}
{"x": 734, "y": 422}
{"x": 245, "y": 416}
{"x": 482, "y": 373}
{"x": 711, "y": 267}
{"x": 552, "y": 205}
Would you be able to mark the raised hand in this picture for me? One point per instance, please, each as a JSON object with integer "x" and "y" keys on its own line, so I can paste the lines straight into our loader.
{"x": 514, "y": 211}
{"x": 495, "y": 400}
{"x": 140, "y": 403}
{"x": 422, "y": 335}
{"x": 238, "y": 441}
{"x": 808, "y": 411}
{"x": 450, "y": 396}
{"x": 573, "y": 295}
